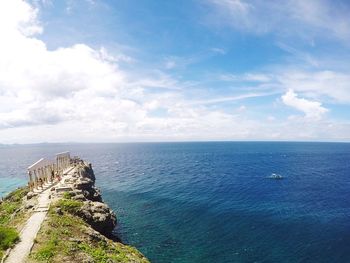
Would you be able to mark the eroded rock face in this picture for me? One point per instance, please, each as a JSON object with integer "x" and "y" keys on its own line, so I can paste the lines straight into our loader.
{"x": 99, "y": 216}
{"x": 87, "y": 172}
{"x": 96, "y": 213}
{"x": 30, "y": 195}
{"x": 83, "y": 183}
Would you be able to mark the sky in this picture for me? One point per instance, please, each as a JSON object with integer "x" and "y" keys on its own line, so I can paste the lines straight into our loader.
{"x": 181, "y": 70}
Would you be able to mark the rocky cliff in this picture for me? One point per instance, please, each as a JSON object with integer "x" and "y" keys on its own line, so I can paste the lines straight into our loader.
{"x": 79, "y": 225}
{"x": 80, "y": 186}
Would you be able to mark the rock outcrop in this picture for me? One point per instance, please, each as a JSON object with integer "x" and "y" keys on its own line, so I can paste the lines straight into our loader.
{"x": 81, "y": 187}
{"x": 99, "y": 216}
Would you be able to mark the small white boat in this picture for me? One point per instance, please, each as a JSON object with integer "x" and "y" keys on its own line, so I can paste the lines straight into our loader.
{"x": 275, "y": 176}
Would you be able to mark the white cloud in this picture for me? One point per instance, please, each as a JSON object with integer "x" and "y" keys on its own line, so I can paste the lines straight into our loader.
{"x": 17, "y": 18}
{"x": 335, "y": 85}
{"x": 254, "y": 77}
{"x": 308, "y": 19}
{"x": 330, "y": 85}
{"x": 271, "y": 118}
{"x": 313, "y": 110}
{"x": 39, "y": 86}
{"x": 230, "y": 98}
{"x": 219, "y": 51}
{"x": 242, "y": 108}
{"x": 78, "y": 93}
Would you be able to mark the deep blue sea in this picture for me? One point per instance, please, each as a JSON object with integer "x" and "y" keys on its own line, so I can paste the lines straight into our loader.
{"x": 213, "y": 202}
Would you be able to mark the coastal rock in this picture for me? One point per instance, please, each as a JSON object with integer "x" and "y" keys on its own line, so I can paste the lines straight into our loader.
{"x": 79, "y": 197}
{"x": 99, "y": 216}
{"x": 76, "y": 192}
{"x": 83, "y": 184}
{"x": 93, "y": 194}
{"x": 94, "y": 235}
{"x": 87, "y": 172}
{"x": 58, "y": 211}
{"x": 30, "y": 195}
{"x": 82, "y": 188}
{"x": 29, "y": 204}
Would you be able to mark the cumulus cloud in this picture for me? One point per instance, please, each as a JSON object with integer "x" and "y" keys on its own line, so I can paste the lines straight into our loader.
{"x": 78, "y": 93}
{"x": 48, "y": 86}
{"x": 312, "y": 109}
{"x": 17, "y": 17}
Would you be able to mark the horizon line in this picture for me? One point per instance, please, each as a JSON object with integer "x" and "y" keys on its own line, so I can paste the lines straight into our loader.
{"x": 182, "y": 141}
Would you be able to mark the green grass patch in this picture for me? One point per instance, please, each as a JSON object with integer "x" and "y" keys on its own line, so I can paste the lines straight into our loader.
{"x": 8, "y": 237}
{"x": 67, "y": 195}
{"x": 64, "y": 221}
{"x": 17, "y": 195}
{"x": 11, "y": 203}
{"x": 10, "y": 216}
{"x": 48, "y": 250}
{"x": 68, "y": 205}
{"x": 104, "y": 253}
{"x": 53, "y": 239}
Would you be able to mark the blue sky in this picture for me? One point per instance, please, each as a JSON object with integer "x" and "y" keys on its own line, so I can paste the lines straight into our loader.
{"x": 179, "y": 70}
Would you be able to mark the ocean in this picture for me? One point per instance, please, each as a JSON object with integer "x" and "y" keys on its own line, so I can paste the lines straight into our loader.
{"x": 214, "y": 201}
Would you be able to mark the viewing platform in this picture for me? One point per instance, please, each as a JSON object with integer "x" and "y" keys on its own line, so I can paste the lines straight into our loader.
{"x": 45, "y": 172}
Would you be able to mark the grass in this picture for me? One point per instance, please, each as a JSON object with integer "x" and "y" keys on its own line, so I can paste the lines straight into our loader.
{"x": 11, "y": 204}
{"x": 8, "y": 237}
{"x": 46, "y": 252}
{"x": 65, "y": 238}
{"x": 17, "y": 195}
{"x": 68, "y": 205}
{"x": 67, "y": 195}
{"x": 54, "y": 236}
{"x": 11, "y": 216}
{"x": 106, "y": 252}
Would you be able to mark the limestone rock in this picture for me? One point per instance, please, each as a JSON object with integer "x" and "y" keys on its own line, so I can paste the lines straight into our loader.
{"x": 79, "y": 197}
{"x": 29, "y": 205}
{"x": 94, "y": 235}
{"x": 93, "y": 194}
{"x": 99, "y": 216}
{"x": 87, "y": 172}
{"x": 83, "y": 184}
{"x": 59, "y": 211}
{"x": 30, "y": 195}
{"x": 94, "y": 212}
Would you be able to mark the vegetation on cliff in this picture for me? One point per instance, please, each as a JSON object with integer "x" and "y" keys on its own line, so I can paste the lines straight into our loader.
{"x": 12, "y": 215}
{"x": 66, "y": 237}
{"x": 77, "y": 227}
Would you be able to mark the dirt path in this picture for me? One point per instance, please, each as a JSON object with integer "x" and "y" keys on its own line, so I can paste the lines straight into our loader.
{"x": 21, "y": 251}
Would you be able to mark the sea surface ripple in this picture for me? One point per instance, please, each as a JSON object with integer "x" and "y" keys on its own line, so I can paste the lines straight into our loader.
{"x": 214, "y": 201}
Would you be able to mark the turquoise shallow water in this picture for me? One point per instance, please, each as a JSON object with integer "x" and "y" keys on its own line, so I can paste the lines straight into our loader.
{"x": 213, "y": 202}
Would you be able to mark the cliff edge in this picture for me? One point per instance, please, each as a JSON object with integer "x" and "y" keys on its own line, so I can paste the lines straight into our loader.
{"x": 78, "y": 226}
